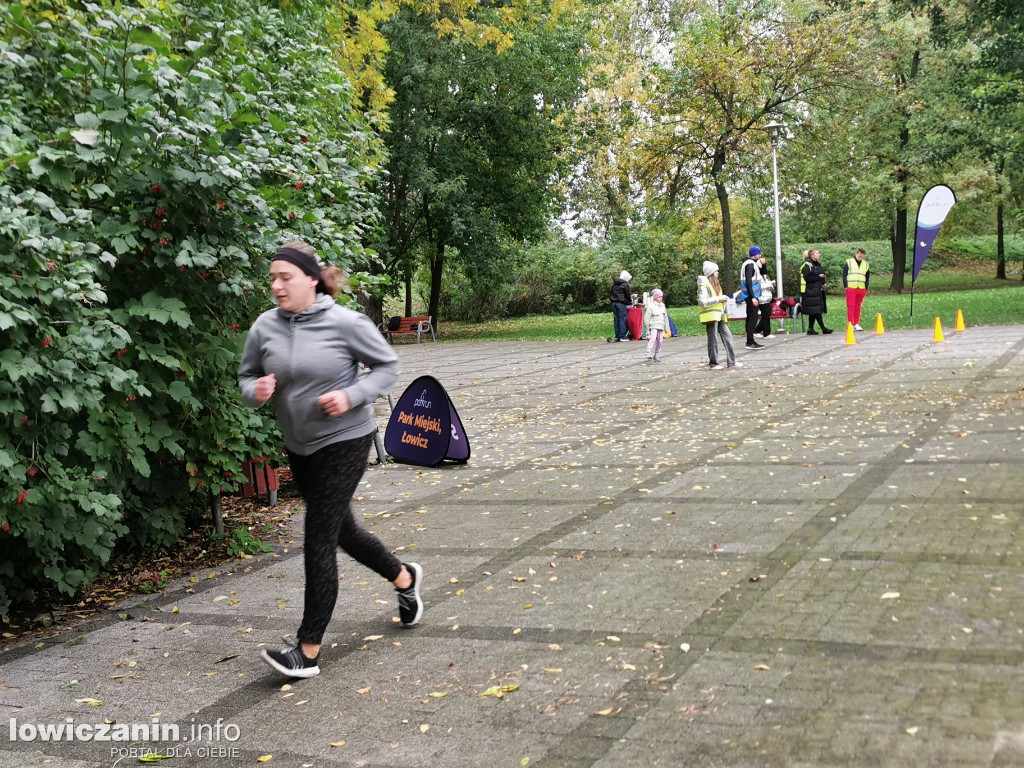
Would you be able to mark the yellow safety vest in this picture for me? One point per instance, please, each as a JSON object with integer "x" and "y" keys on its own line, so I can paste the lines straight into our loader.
{"x": 856, "y": 273}
{"x": 715, "y": 311}
{"x": 803, "y": 277}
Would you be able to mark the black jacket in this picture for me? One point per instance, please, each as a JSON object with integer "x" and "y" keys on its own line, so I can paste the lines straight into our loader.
{"x": 620, "y": 292}
{"x": 812, "y": 302}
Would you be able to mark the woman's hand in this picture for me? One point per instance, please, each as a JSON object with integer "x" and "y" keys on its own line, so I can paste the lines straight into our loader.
{"x": 264, "y": 389}
{"x": 334, "y": 403}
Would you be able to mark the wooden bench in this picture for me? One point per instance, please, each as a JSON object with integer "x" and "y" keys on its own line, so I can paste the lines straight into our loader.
{"x": 408, "y": 325}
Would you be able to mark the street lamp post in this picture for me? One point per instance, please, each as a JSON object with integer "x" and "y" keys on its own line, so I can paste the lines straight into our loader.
{"x": 775, "y": 133}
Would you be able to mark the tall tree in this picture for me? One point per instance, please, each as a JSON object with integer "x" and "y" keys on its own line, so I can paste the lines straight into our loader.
{"x": 476, "y": 139}
{"x": 737, "y": 65}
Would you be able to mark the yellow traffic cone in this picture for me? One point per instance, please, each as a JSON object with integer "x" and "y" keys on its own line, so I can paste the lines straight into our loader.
{"x": 879, "y": 325}
{"x": 960, "y": 320}
{"x": 850, "y": 338}
{"x": 937, "y": 336}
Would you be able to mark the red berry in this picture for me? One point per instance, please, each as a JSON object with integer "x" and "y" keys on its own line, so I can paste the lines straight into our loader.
{"x": 5, "y": 527}
{"x": 122, "y": 352}
{"x": 200, "y": 485}
{"x": 47, "y": 341}
{"x": 32, "y": 472}
{"x": 305, "y": 140}
{"x": 291, "y": 215}
{"x": 24, "y": 418}
{"x": 234, "y": 326}
{"x": 155, "y": 189}
{"x": 21, "y": 497}
{"x": 164, "y": 241}
{"x": 51, "y": 266}
{"x": 221, "y": 205}
{"x": 160, "y": 212}
{"x": 299, "y": 185}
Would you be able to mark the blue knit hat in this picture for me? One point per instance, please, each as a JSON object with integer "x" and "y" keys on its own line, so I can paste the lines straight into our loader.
{"x": 754, "y": 251}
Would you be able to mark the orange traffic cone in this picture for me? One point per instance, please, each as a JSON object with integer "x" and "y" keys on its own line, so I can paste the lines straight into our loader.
{"x": 850, "y": 338}
{"x": 879, "y": 325}
{"x": 937, "y": 336}
{"x": 960, "y": 320}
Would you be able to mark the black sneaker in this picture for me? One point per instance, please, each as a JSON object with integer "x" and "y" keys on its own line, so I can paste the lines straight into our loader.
{"x": 826, "y": 331}
{"x": 812, "y": 333}
{"x": 292, "y": 661}
{"x": 410, "y": 606}
{"x": 755, "y": 345}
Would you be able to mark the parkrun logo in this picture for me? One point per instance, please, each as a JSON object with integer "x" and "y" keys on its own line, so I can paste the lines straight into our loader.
{"x": 421, "y": 401}
{"x": 149, "y": 734}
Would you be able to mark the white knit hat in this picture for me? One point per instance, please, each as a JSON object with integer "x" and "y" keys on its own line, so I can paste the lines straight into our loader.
{"x": 624, "y": 275}
{"x": 710, "y": 268}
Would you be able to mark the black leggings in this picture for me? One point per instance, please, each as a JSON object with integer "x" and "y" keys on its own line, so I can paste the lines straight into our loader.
{"x": 327, "y": 479}
{"x": 810, "y": 322}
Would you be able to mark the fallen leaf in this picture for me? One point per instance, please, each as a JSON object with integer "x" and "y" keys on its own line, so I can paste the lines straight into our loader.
{"x": 762, "y": 668}
{"x": 264, "y": 758}
{"x": 364, "y": 690}
{"x": 424, "y": 728}
{"x": 90, "y": 702}
{"x": 499, "y": 691}
{"x": 604, "y": 712}
{"x": 341, "y": 743}
{"x": 890, "y": 595}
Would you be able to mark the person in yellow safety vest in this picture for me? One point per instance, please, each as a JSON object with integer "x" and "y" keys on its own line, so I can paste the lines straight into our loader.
{"x": 712, "y": 314}
{"x": 856, "y": 274}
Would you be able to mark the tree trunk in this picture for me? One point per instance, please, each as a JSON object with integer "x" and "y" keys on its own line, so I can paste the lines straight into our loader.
{"x": 436, "y": 267}
{"x": 374, "y": 308}
{"x": 1000, "y": 247}
{"x": 898, "y": 237}
{"x": 899, "y": 230}
{"x": 408, "y": 290}
{"x": 729, "y": 282}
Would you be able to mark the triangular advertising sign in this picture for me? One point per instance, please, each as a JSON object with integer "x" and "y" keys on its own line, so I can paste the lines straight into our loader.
{"x": 425, "y": 428}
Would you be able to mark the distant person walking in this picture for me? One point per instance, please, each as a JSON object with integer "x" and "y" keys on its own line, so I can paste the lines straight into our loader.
{"x": 856, "y": 276}
{"x": 656, "y": 323}
{"x": 622, "y": 298}
{"x": 750, "y": 290}
{"x": 812, "y": 291}
{"x": 712, "y": 314}
{"x": 303, "y": 356}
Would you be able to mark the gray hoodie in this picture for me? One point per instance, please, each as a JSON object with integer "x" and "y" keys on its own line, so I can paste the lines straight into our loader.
{"x": 312, "y": 353}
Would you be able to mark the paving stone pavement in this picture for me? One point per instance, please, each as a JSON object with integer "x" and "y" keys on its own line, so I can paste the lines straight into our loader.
{"x": 813, "y": 560}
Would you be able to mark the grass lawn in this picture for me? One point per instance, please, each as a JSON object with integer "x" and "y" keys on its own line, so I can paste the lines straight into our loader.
{"x": 981, "y": 306}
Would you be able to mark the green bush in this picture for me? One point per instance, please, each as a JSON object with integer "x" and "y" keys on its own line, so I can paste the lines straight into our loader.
{"x": 154, "y": 155}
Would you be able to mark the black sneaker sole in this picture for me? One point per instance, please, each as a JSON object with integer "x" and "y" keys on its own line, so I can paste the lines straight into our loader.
{"x": 417, "y": 572}
{"x": 305, "y": 672}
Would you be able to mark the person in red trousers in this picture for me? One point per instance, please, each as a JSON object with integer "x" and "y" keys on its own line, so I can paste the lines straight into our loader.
{"x": 856, "y": 274}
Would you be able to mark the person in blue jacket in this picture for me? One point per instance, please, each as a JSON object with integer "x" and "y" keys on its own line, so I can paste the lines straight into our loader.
{"x": 750, "y": 290}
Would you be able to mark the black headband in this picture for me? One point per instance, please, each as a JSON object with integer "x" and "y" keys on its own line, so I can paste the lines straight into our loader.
{"x": 303, "y": 261}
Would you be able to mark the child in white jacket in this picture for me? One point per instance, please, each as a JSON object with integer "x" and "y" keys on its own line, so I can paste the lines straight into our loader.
{"x": 656, "y": 323}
